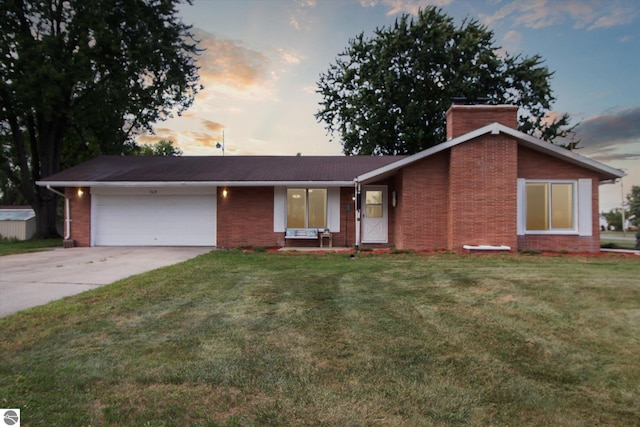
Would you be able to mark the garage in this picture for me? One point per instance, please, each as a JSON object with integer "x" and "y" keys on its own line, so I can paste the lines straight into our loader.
{"x": 153, "y": 216}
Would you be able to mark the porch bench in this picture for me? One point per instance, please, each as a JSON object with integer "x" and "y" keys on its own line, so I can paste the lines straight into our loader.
{"x": 301, "y": 233}
{"x": 486, "y": 248}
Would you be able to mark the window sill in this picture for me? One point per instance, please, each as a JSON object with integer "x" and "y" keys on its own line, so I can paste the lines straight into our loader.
{"x": 552, "y": 233}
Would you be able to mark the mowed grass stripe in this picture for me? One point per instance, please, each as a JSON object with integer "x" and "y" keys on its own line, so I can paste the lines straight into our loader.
{"x": 234, "y": 338}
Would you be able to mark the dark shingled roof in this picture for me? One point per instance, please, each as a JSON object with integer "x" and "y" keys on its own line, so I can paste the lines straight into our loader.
{"x": 221, "y": 169}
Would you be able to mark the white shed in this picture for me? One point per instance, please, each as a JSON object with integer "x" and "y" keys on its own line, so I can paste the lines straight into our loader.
{"x": 17, "y": 222}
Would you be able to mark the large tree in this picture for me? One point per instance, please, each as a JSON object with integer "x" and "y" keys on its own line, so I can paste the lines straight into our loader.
{"x": 81, "y": 78}
{"x": 163, "y": 147}
{"x": 633, "y": 201}
{"x": 388, "y": 94}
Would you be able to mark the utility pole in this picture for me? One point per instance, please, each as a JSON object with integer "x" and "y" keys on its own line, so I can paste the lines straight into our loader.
{"x": 624, "y": 232}
{"x": 218, "y": 145}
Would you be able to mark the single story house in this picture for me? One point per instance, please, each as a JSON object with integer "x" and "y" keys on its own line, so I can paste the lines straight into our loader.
{"x": 17, "y": 222}
{"x": 488, "y": 186}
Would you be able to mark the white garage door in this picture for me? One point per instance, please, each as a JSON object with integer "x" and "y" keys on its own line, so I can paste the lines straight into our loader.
{"x": 154, "y": 219}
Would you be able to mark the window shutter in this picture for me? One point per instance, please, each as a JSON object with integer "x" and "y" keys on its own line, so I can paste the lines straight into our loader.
{"x": 333, "y": 208}
{"x": 279, "y": 209}
{"x": 521, "y": 206}
{"x": 585, "y": 214}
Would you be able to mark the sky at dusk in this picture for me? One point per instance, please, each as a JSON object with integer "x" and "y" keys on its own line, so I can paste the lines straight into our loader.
{"x": 263, "y": 59}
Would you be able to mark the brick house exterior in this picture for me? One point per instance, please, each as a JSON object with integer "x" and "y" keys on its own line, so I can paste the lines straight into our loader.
{"x": 471, "y": 191}
{"x": 534, "y": 165}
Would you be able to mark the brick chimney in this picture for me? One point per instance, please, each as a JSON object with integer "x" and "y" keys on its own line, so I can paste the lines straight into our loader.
{"x": 462, "y": 119}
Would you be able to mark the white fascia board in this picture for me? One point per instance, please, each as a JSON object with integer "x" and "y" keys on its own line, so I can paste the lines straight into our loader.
{"x": 560, "y": 152}
{"x": 495, "y": 128}
{"x": 194, "y": 183}
{"x": 65, "y": 183}
{"x": 317, "y": 184}
{"x": 426, "y": 153}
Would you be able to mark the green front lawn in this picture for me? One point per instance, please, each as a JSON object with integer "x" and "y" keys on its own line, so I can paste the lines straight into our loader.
{"x": 243, "y": 339}
{"x": 618, "y": 239}
{"x": 10, "y": 246}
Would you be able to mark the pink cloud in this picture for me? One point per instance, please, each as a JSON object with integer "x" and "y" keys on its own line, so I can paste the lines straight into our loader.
{"x": 213, "y": 126}
{"x": 159, "y": 134}
{"x": 584, "y": 14}
{"x": 230, "y": 63}
{"x": 397, "y": 7}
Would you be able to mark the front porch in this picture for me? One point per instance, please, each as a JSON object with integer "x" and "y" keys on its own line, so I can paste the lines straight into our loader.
{"x": 315, "y": 249}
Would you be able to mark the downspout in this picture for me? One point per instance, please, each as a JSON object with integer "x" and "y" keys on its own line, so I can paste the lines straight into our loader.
{"x": 67, "y": 213}
{"x": 357, "y": 214}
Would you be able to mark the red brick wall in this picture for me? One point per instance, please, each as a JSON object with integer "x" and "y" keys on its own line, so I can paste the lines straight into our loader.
{"x": 421, "y": 212}
{"x": 462, "y": 119}
{"x": 535, "y": 165}
{"x": 80, "y": 207}
{"x": 402, "y": 206}
{"x": 559, "y": 243}
{"x": 347, "y": 220}
{"x": 483, "y": 192}
{"x": 245, "y": 218}
{"x": 392, "y": 212}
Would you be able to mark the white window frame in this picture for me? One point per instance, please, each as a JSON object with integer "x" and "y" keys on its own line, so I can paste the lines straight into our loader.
{"x": 307, "y": 200}
{"x": 280, "y": 207}
{"x": 582, "y": 207}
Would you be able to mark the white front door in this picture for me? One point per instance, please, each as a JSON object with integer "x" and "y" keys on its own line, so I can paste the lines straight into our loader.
{"x": 374, "y": 214}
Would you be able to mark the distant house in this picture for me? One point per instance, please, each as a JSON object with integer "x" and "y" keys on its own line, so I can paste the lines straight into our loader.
{"x": 488, "y": 186}
{"x": 17, "y": 222}
{"x": 629, "y": 223}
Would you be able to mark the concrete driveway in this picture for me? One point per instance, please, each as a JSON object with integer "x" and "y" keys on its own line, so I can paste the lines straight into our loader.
{"x": 33, "y": 279}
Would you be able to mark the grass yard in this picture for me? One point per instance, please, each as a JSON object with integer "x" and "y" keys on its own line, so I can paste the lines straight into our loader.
{"x": 11, "y": 246}
{"x": 246, "y": 339}
{"x": 618, "y": 240}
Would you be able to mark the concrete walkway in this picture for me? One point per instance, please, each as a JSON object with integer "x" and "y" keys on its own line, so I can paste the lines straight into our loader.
{"x": 29, "y": 280}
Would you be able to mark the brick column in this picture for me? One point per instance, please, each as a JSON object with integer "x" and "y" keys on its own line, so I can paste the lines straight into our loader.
{"x": 80, "y": 207}
{"x": 483, "y": 192}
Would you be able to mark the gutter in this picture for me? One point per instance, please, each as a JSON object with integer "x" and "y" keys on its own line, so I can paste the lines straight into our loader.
{"x": 67, "y": 213}
{"x": 310, "y": 184}
{"x": 609, "y": 181}
{"x": 357, "y": 207}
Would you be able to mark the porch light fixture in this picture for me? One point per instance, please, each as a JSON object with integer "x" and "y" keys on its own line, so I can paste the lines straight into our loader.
{"x": 224, "y": 193}
{"x": 80, "y": 192}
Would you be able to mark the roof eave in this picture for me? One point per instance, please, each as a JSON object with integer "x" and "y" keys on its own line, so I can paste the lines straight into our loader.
{"x": 607, "y": 173}
{"x": 193, "y": 183}
{"x": 392, "y": 167}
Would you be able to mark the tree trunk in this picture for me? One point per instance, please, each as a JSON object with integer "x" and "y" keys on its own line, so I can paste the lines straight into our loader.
{"x": 45, "y": 161}
{"x": 46, "y": 214}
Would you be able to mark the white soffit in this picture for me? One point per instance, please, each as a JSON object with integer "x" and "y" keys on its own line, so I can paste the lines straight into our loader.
{"x": 195, "y": 183}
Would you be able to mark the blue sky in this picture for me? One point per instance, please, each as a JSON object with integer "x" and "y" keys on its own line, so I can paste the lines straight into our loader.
{"x": 264, "y": 57}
